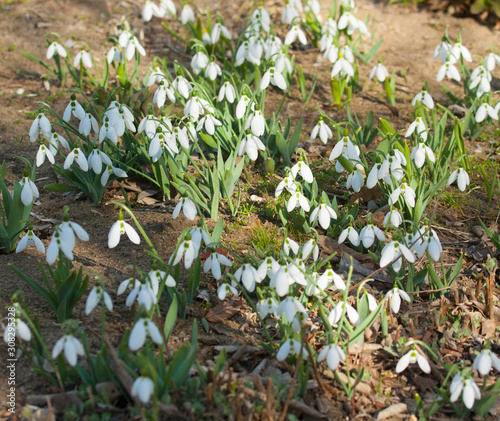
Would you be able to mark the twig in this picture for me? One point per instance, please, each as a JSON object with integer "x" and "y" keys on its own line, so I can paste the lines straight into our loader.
{"x": 294, "y": 382}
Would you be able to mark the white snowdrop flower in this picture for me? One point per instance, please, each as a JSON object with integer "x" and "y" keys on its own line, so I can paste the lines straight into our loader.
{"x": 196, "y": 106}
{"x": 251, "y": 145}
{"x": 242, "y": 105}
{"x": 394, "y": 218}
{"x": 256, "y": 121}
{"x": 208, "y": 122}
{"x": 261, "y": 16}
{"x": 219, "y": 30}
{"x": 144, "y": 293}
{"x": 268, "y": 267}
{"x": 380, "y": 72}
{"x": 333, "y": 355}
{"x": 119, "y": 228}
{"x": 316, "y": 284}
{"x": 108, "y": 170}
{"x": 392, "y": 252}
{"x": 29, "y": 239}
{"x": 73, "y": 108}
{"x": 430, "y": 241}
{"x": 114, "y": 55}
{"x": 405, "y": 190}
{"x": 54, "y": 141}
{"x": 128, "y": 283}
{"x": 157, "y": 277}
{"x": 459, "y": 50}
{"x": 413, "y": 356}
{"x": 227, "y": 91}
{"x": 163, "y": 92}
{"x": 420, "y": 152}
{"x": 225, "y": 290}
{"x": 324, "y": 214}
{"x": 188, "y": 209}
{"x": 415, "y": 243}
{"x": 491, "y": 60}
{"x": 294, "y": 33}
{"x": 395, "y": 296}
{"x": 167, "y": 7}
{"x": 149, "y": 10}
{"x": 95, "y": 296}
{"x": 187, "y": 14}
{"x": 346, "y": 148}
{"x": 267, "y": 306}
{"x": 331, "y": 51}
{"x": 349, "y": 22}
{"x": 342, "y": 68}
{"x": 355, "y": 180}
{"x": 273, "y": 46}
{"x": 443, "y": 50}
{"x": 303, "y": 169}
{"x": 461, "y": 177}
{"x": 337, "y": 312}
{"x": 484, "y": 110}
{"x": 82, "y": 57}
{"x": 107, "y": 131}
{"x": 247, "y": 52}
{"x": 142, "y": 328}
{"x": 281, "y": 280}
{"x": 485, "y": 360}
{"x": 199, "y": 62}
{"x": 480, "y": 77}
{"x": 40, "y": 123}
{"x": 417, "y": 126}
{"x": 72, "y": 349}
{"x": 43, "y": 152}
{"x": 148, "y": 125}
{"x": 143, "y": 388}
{"x": 290, "y": 245}
{"x": 21, "y": 329}
{"x": 182, "y": 85}
{"x": 289, "y": 346}
{"x": 310, "y": 247}
{"x": 374, "y": 175}
{"x": 87, "y": 124}
{"x": 78, "y": 156}
{"x": 289, "y": 307}
{"x": 350, "y": 233}
{"x": 372, "y": 302}
{"x": 70, "y": 229}
{"x": 449, "y": 70}
{"x": 287, "y": 183}
{"x": 61, "y": 241}
{"x": 120, "y": 117}
{"x": 248, "y": 276}
{"x": 463, "y": 384}
{"x": 96, "y": 159}
{"x": 289, "y": 14}
{"x": 325, "y": 133}
{"x": 425, "y": 98}
{"x": 274, "y": 76}
{"x": 298, "y": 198}
{"x": 392, "y": 168}
{"x": 188, "y": 249}
{"x": 129, "y": 42}
{"x": 214, "y": 262}
{"x": 213, "y": 71}
{"x": 55, "y": 48}
{"x": 182, "y": 135}
{"x": 369, "y": 233}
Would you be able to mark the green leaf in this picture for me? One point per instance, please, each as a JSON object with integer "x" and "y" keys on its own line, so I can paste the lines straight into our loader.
{"x": 386, "y": 127}
{"x": 60, "y": 188}
{"x": 168, "y": 327}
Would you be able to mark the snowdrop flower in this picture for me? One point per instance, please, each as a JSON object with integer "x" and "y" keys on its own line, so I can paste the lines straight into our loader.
{"x": 417, "y": 126}
{"x": 209, "y": 122}
{"x": 227, "y": 91}
{"x": 188, "y": 208}
{"x": 300, "y": 199}
{"x": 485, "y": 360}
{"x": 392, "y": 252}
{"x": 311, "y": 246}
{"x": 346, "y": 148}
{"x": 78, "y": 156}
{"x": 225, "y": 289}
{"x": 107, "y": 131}
{"x": 129, "y": 42}
{"x": 289, "y": 346}
{"x": 144, "y": 293}
{"x": 114, "y": 55}
{"x": 484, "y": 110}
{"x": 430, "y": 241}
{"x": 461, "y": 177}
{"x": 303, "y": 169}
{"x": 247, "y": 52}
{"x": 87, "y": 124}
{"x": 70, "y": 228}
{"x": 374, "y": 175}
{"x": 449, "y": 70}
{"x": 187, "y": 14}
{"x": 405, "y": 190}
{"x": 29, "y": 239}
{"x": 188, "y": 249}
{"x": 355, "y": 180}
{"x": 157, "y": 277}
{"x": 480, "y": 78}
{"x": 392, "y": 167}
{"x": 491, "y": 60}
{"x": 368, "y": 235}
{"x": 413, "y": 356}
{"x": 460, "y": 50}
{"x": 274, "y": 76}
{"x": 349, "y": 22}
{"x": 40, "y": 123}
{"x": 96, "y": 159}
{"x": 324, "y": 214}
{"x": 163, "y": 92}
{"x": 248, "y": 276}
{"x": 425, "y": 98}
{"x": 379, "y": 71}
{"x": 74, "y": 108}
{"x": 294, "y": 33}
{"x": 82, "y": 57}
{"x": 443, "y": 50}
{"x": 143, "y": 327}
{"x": 96, "y": 295}
{"x": 149, "y": 10}
{"x": 61, "y": 241}
{"x": 56, "y": 48}
{"x": 219, "y": 30}
{"x": 342, "y": 68}
{"x": 289, "y": 14}
{"x": 182, "y": 85}
{"x": 199, "y": 62}
{"x": 43, "y": 152}
{"x": 256, "y": 121}
{"x": 212, "y": 71}
{"x": 419, "y": 152}
{"x": 148, "y": 125}
{"x": 251, "y": 145}
{"x": 394, "y": 218}
{"x": 333, "y": 355}
{"x": 120, "y": 117}
{"x": 242, "y": 105}
{"x": 395, "y": 295}
{"x": 287, "y": 183}
{"x": 325, "y": 133}
{"x": 290, "y": 245}
{"x": 268, "y": 267}
{"x": 167, "y": 7}
{"x": 119, "y": 228}
{"x": 21, "y": 328}
{"x": 337, "y": 312}
{"x": 143, "y": 388}
{"x": 281, "y": 281}
{"x": 414, "y": 241}
{"x": 350, "y": 233}
{"x": 463, "y": 384}
{"x": 213, "y": 262}
{"x": 267, "y": 306}
{"x": 195, "y": 107}
{"x": 72, "y": 348}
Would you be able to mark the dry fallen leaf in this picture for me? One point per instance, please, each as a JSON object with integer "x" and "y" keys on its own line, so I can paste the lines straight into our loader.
{"x": 224, "y": 311}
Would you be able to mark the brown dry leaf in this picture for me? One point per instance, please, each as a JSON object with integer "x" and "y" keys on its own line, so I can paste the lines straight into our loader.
{"x": 332, "y": 246}
{"x": 488, "y": 328}
{"x": 224, "y": 311}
